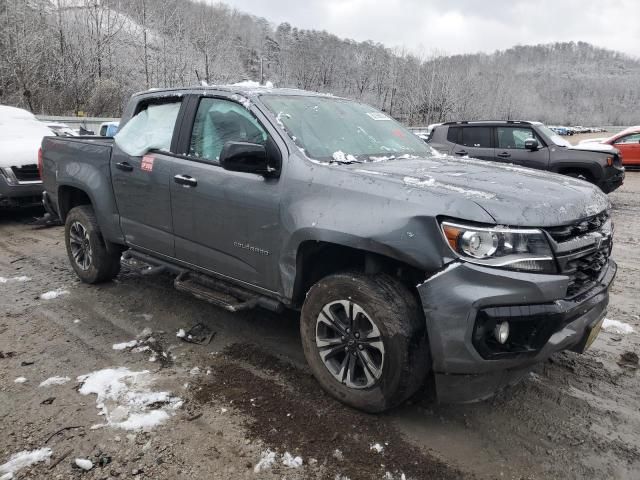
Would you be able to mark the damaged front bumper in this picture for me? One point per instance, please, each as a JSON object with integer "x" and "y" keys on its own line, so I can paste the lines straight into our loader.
{"x": 464, "y": 302}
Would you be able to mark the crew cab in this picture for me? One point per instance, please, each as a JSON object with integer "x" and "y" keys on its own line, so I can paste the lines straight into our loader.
{"x": 532, "y": 145}
{"x": 404, "y": 263}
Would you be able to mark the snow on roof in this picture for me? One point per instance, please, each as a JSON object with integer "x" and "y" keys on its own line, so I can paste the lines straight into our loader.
{"x": 7, "y": 112}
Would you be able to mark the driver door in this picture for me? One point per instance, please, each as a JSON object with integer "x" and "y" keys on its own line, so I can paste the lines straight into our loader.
{"x": 225, "y": 222}
{"x": 511, "y": 148}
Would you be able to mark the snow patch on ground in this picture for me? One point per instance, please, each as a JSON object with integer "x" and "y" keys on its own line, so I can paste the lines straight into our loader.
{"x": 267, "y": 459}
{"x": 617, "y": 326}
{"x": 54, "y": 381}
{"x": 126, "y": 400}
{"x": 54, "y": 294}
{"x": 125, "y": 345}
{"x": 181, "y": 333}
{"x": 376, "y": 447}
{"x": 14, "y": 279}
{"x": 84, "y": 463}
{"x": 20, "y": 380}
{"x": 23, "y": 459}
{"x": 290, "y": 461}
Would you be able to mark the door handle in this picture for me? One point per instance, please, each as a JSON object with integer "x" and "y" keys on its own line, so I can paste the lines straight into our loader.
{"x": 124, "y": 166}
{"x": 462, "y": 152}
{"x": 504, "y": 155}
{"x": 185, "y": 180}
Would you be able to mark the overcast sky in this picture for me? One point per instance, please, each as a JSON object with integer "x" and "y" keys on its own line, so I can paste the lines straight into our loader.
{"x": 462, "y": 26}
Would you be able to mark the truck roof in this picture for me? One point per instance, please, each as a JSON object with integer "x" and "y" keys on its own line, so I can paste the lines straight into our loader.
{"x": 246, "y": 89}
{"x": 494, "y": 122}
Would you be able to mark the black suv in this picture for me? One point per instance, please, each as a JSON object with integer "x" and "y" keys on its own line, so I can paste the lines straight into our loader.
{"x": 530, "y": 144}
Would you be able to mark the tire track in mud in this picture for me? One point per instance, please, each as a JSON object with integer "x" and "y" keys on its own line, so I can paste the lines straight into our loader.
{"x": 290, "y": 412}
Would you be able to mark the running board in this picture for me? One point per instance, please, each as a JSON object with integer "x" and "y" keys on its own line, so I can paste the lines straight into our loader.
{"x": 222, "y": 294}
{"x": 204, "y": 287}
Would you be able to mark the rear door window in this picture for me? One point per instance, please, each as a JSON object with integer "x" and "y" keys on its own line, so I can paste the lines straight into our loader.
{"x": 220, "y": 121}
{"x": 150, "y": 129}
{"x": 477, "y": 137}
{"x": 515, "y": 137}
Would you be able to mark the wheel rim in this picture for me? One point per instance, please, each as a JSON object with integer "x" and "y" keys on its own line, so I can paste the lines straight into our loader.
{"x": 349, "y": 344}
{"x": 80, "y": 245}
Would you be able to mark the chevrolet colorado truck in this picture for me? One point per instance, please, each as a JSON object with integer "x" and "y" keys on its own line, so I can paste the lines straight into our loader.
{"x": 406, "y": 264}
{"x": 531, "y": 145}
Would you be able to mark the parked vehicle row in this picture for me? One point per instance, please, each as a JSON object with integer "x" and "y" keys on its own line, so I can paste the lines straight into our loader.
{"x": 403, "y": 263}
{"x": 564, "y": 131}
{"x": 532, "y": 145}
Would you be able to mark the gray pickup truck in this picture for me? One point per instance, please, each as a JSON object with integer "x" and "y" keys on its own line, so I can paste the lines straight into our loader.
{"x": 406, "y": 264}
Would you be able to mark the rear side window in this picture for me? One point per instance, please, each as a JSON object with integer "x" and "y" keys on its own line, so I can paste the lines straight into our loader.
{"x": 218, "y": 122}
{"x": 453, "y": 135}
{"x": 478, "y": 137}
{"x": 150, "y": 129}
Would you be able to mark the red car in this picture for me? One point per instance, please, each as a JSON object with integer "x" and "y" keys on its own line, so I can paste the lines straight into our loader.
{"x": 628, "y": 142}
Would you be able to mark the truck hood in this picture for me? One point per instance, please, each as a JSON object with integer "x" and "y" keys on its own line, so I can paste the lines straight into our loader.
{"x": 512, "y": 195}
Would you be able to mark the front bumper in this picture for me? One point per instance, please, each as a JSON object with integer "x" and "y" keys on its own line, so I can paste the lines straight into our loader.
{"x": 454, "y": 299}
{"x": 614, "y": 178}
{"x": 20, "y": 194}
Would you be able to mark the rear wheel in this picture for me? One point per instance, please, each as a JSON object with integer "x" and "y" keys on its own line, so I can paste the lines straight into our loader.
{"x": 87, "y": 251}
{"x": 364, "y": 338}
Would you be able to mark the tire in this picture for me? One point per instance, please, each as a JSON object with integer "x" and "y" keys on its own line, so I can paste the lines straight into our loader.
{"x": 87, "y": 251}
{"x": 381, "y": 302}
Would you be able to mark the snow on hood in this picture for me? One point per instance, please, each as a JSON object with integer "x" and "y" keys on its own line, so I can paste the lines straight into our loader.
{"x": 20, "y": 137}
{"x": 511, "y": 194}
{"x": 594, "y": 147}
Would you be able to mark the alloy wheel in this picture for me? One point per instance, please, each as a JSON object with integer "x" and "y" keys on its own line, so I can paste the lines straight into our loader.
{"x": 80, "y": 245}
{"x": 350, "y": 344}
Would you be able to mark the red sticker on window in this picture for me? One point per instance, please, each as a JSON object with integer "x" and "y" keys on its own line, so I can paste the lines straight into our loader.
{"x": 147, "y": 163}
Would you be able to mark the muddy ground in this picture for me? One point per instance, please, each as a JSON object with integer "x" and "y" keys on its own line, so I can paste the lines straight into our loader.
{"x": 576, "y": 416}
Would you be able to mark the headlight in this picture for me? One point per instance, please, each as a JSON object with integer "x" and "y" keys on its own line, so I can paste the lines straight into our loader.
{"x": 511, "y": 248}
{"x": 8, "y": 175}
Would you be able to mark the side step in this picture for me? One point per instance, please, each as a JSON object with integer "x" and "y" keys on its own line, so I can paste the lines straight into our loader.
{"x": 217, "y": 292}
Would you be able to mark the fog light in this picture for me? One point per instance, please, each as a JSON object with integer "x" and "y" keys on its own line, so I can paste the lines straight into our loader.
{"x": 501, "y": 332}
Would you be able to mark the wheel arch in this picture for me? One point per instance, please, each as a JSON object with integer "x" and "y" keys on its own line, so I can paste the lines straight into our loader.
{"x": 318, "y": 259}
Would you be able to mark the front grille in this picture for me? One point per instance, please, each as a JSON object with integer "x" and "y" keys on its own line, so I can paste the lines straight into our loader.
{"x": 26, "y": 173}
{"x": 583, "y": 250}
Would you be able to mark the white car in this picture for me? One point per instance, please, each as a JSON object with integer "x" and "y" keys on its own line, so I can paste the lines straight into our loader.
{"x": 20, "y": 139}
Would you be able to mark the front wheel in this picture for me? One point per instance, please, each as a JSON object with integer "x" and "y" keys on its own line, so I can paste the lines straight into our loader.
{"x": 364, "y": 338}
{"x": 87, "y": 251}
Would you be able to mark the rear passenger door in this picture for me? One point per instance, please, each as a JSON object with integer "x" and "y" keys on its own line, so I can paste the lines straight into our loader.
{"x": 510, "y": 142}
{"x": 472, "y": 141}
{"x": 141, "y": 176}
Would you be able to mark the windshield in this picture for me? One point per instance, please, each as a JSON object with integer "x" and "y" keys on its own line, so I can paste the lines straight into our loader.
{"x": 554, "y": 137}
{"x": 338, "y": 130}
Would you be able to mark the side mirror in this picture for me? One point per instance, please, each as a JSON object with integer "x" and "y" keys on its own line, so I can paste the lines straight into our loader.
{"x": 531, "y": 144}
{"x": 245, "y": 157}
